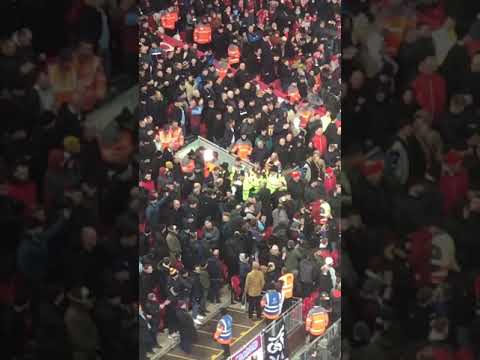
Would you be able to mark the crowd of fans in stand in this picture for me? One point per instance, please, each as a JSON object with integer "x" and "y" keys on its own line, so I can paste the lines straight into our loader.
{"x": 264, "y": 83}
{"x": 68, "y": 273}
{"x": 410, "y": 180}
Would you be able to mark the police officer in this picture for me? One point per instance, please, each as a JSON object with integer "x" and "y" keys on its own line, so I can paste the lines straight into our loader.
{"x": 224, "y": 331}
{"x": 275, "y": 180}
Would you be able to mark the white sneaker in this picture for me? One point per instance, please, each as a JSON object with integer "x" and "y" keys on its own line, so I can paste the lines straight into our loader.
{"x": 173, "y": 336}
{"x": 197, "y": 322}
{"x": 200, "y": 317}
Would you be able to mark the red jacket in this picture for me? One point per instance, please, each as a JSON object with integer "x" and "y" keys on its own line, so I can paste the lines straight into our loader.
{"x": 320, "y": 143}
{"x": 454, "y": 189}
{"x": 420, "y": 254}
{"x": 25, "y": 193}
{"x": 330, "y": 182}
{"x": 442, "y": 354}
{"x": 430, "y": 93}
{"x": 464, "y": 354}
{"x": 147, "y": 185}
{"x": 434, "y": 17}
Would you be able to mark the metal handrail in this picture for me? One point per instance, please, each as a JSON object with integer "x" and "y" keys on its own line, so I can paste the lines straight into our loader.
{"x": 284, "y": 315}
{"x": 298, "y": 302}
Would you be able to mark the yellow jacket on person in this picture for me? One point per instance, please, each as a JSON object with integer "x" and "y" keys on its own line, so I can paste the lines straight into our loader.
{"x": 276, "y": 182}
{"x": 287, "y": 285}
{"x": 254, "y": 283}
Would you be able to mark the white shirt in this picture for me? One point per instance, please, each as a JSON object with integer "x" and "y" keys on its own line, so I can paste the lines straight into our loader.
{"x": 47, "y": 98}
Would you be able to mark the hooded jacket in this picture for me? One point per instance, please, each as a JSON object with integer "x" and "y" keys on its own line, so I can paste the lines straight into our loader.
{"x": 33, "y": 251}
{"x": 454, "y": 188}
{"x": 431, "y": 93}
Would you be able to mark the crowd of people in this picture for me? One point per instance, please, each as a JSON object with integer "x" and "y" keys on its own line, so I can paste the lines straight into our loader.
{"x": 68, "y": 255}
{"x": 261, "y": 80}
{"x": 410, "y": 199}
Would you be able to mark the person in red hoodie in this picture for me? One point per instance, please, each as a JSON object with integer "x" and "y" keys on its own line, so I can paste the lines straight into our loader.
{"x": 147, "y": 183}
{"x": 330, "y": 182}
{"x": 430, "y": 88}
{"x": 319, "y": 141}
{"x": 454, "y": 182}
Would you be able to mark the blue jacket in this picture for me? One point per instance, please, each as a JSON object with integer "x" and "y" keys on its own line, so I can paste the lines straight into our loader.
{"x": 33, "y": 251}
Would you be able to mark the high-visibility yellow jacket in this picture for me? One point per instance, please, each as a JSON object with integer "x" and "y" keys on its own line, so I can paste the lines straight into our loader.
{"x": 287, "y": 285}
{"x": 275, "y": 182}
{"x": 251, "y": 182}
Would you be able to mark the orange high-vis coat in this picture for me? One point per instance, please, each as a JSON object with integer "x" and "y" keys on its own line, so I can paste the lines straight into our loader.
{"x": 396, "y": 28}
{"x": 243, "y": 150}
{"x": 317, "y": 322}
{"x": 165, "y": 138}
{"x": 189, "y": 167}
{"x": 305, "y": 116}
{"x": 287, "y": 287}
{"x": 294, "y": 94}
{"x": 233, "y": 54}
{"x": 176, "y": 138}
{"x": 169, "y": 20}
{"x": 202, "y": 34}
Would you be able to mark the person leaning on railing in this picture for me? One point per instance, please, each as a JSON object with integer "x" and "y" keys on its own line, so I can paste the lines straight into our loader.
{"x": 272, "y": 303}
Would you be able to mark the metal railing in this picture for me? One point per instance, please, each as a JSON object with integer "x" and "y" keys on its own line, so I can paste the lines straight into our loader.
{"x": 325, "y": 347}
{"x": 293, "y": 318}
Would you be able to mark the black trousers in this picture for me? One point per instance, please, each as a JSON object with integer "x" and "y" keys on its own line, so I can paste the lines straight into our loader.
{"x": 226, "y": 351}
{"x": 186, "y": 343}
{"x": 254, "y": 306}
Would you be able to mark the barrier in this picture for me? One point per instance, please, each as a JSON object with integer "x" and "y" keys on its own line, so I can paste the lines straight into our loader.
{"x": 291, "y": 320}
{"x": 102, "y": 116}
{"x": 325, "y": 347}
{"x": 223, "y": 155}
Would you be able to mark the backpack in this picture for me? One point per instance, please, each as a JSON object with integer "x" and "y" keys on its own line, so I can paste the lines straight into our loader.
{"x": 306, "y": 271}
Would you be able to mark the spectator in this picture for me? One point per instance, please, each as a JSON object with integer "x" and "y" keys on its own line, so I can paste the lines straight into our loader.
{"x": 254, "y": 284}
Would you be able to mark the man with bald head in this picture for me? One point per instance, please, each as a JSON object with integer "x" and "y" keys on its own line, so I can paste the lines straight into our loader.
{"x": 86, "y": 261}
{"x": 88, "y": 238}
{"x": 214, "y": 268}
{"x": 254, "y": 283}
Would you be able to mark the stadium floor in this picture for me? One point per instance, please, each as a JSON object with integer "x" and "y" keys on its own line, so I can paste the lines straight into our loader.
{"x": 206, "y": 347}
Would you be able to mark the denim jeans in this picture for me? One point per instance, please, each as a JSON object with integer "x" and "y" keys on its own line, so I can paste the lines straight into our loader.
{"x": 195, "y": 308}
{"x": 214, "y": 291}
